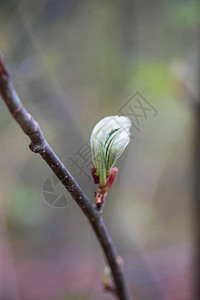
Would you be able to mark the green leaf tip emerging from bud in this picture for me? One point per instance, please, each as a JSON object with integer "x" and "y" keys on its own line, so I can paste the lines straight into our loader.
{"x": 108, "y": 140}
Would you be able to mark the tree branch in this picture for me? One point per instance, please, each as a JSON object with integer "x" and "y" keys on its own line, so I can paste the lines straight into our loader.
{"x": 39, "y": 145}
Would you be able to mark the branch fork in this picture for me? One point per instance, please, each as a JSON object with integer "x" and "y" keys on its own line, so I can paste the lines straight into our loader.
{"x": 39, "y": 145}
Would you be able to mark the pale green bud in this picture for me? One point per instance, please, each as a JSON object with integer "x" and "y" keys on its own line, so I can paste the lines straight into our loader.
{"x": 108, "y": 140}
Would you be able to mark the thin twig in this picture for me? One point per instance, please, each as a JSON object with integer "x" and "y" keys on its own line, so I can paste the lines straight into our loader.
{"x": 39, "y": 145}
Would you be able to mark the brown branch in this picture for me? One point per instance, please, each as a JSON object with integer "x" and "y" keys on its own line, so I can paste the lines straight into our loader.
{"x": 39, "y": 145}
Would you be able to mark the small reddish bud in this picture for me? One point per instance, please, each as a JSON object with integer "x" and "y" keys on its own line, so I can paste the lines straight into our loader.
{"x": 94, "y": 175}
{"x": 99, "y": 200}
{"x": 111, "y": 177}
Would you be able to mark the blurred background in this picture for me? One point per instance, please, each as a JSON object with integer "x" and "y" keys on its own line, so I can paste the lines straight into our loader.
{"x": 74, "y": 62}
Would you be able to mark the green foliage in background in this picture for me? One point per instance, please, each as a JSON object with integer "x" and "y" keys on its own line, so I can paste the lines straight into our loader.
{"x": 151, "y": 78}
{"x": 24, "y": 204}
{"x": 184, "y": 15}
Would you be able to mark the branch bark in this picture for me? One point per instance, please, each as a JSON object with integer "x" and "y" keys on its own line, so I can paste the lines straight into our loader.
{"x": 39, "y": 145}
